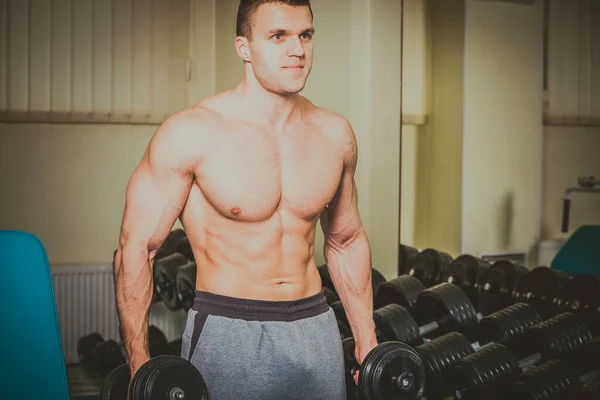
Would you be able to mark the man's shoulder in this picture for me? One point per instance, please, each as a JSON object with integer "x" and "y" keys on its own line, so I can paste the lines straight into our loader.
{"x": 193, "y": 122}
{"x": 195, "y": 117}
{"x": 182, "y": 137}
{"x": 336, "y": 126}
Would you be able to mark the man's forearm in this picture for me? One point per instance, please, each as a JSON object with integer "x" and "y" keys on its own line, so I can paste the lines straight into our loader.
{"x": 350, "y": 270}
{"x": 133, "y": 289}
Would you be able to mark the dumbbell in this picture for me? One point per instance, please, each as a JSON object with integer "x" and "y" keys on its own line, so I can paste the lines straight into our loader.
{"x": 406, "y": 256}
{"x": 185, "y": 285}
{"x": 165, "y": 275}
{"x": 498, "y": 286}
{"x": 556, "y": 379}
{"x": 482, "y": 373}
{"x": 98, "y": 355}
{"x": 465, "y": 272}
{"x": 402, "y": 290}
{"x": 580, "y": 296}
{"x": 441, "y": 353}
{"x": 85, "y": 347}
{"x": 165, "y": 377}
{"x": 184, "y": 247}
{"x": 391, "y": 370}
{"x": 169, "y": 247}
{"x": 430, "y": 267}
{"x": 440, "y": 309}
{"x": 541, "y": 287}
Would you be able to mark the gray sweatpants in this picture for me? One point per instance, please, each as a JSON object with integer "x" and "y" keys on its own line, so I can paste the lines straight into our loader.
{"x": 265, "y": 350}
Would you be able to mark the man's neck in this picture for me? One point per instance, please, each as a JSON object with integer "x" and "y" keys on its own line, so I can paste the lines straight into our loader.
{"x": 267, "y": 109}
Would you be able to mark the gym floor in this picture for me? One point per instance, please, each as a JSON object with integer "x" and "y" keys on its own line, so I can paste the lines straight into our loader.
{"x": 83, "y": 385}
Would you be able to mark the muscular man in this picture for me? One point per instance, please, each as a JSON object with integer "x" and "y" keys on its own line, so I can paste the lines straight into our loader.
{"x": 249, "y": 172}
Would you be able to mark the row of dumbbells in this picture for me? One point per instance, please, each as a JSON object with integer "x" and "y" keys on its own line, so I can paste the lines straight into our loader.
{"x": 443, "y": 336}
{"x": 489, "y": 287}
{"x": 516, "y": 354}
{"x": 408, "y": 313}
{"x": 100, "y": 356}
{"x": 492, "y": 286}
{"x": 406, "y": 290}
{"x": 174, "y": 272}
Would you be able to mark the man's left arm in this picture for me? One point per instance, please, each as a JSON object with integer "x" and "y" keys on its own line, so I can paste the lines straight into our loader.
{"x": 347, "y": 251}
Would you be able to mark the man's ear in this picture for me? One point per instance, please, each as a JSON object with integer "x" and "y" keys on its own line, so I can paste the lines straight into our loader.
{"x": 242, "y": 48}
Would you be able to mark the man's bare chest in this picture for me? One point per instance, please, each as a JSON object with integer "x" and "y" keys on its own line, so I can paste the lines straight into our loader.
{"x": 251, "y": 177}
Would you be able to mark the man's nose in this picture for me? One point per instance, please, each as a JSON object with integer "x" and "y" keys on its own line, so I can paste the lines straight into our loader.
{"x": 295, "y": 48}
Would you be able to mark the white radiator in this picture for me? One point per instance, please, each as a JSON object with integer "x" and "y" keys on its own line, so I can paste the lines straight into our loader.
{"x": 85, "y": 300}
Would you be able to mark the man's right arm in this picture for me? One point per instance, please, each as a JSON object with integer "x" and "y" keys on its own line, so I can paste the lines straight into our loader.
{"x": 155, "y": 196}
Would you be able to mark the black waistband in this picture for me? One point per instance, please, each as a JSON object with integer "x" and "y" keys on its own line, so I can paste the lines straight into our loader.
{"x": 260, "y": 310}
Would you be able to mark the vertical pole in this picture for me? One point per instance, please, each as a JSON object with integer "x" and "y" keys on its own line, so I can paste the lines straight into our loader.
{"x": 401, "y": 123}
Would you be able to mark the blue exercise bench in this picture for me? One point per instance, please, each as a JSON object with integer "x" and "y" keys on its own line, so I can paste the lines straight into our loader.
{"x": 32, "y": 364}
{"x": 580, "y": 254}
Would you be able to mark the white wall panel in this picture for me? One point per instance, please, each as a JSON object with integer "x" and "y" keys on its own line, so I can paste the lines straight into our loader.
{"x": 93, "y": 60}
{"x": 18, "y": 60}
{"x": 178, "y": 56}
{"x": 102, "y": 53}
{"x": 122, "y": 62}
{"x": 81, "y": 73}
{"x": 573, "y": 62}
{"x": 203, "y": 34}
{"x": 61, "y": 57}
{"x": 160, "y": 47}
{"x": 414, "y": 64}
{"x": 142, "y": 65}
{"x": 40, "y": 53}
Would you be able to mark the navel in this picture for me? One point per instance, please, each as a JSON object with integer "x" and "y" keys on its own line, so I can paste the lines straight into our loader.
{"x": 236, "y": 210}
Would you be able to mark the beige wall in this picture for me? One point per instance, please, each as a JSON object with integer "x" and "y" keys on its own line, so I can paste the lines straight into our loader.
{"x": 479, "y": 158}
{"x": 66, "y": 182}
{"x": 439, "y": 144}
{"x": 568, "y": 154}
{"x": 416, "y": 110}
{"x": 503, "y": 126}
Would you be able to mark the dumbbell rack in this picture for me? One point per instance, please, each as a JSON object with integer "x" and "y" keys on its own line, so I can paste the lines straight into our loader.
{"x": 499, "y": 285}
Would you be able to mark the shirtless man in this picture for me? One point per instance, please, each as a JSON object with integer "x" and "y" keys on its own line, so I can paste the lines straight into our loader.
{"x": 249, "y": 172}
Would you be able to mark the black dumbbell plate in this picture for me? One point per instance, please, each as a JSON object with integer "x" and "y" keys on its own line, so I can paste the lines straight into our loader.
{"x": 392, "y": 371}
{"x": 168, "y": 377}
{"x": 116, "y": 384}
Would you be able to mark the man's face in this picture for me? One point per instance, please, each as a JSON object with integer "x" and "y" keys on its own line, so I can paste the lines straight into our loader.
{"x": 281, "y": 47}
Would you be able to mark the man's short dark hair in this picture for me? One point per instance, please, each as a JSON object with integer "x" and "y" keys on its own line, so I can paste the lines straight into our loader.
{"x": 248, "y": 8}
